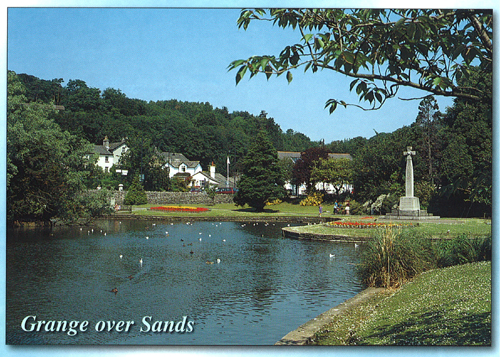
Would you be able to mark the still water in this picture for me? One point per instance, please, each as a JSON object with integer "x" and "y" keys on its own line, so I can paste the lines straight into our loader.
{"x": 262, "y": 287}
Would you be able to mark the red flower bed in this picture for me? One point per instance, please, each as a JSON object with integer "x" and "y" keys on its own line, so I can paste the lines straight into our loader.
{"x": 179, "y": 209}
{"x": 340, "y": 224}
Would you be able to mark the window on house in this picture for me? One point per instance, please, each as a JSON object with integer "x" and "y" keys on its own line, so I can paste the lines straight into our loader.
{"x": 183, "y": 168}
{"x": 106, "y": 159}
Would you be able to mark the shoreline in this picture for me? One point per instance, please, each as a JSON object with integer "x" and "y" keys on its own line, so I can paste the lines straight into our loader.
{"x": 288, "y": 233}
{"x": 304, "y": 334}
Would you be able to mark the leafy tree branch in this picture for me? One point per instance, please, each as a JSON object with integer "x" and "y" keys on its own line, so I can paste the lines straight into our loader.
{"x": 429, "y": 50}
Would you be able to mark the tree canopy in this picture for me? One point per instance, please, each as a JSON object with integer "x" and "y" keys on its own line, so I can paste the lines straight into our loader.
{"x": 261, "y": 179}
{"x": 46, "y": 166}
{"x": 381, "y": 49}
{"x": 198, "y": 130}
{"x": 303, "y": 167}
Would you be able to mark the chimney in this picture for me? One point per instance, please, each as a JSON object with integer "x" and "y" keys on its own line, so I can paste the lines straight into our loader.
{"x": 212, "y": 170}
{"x": 105, "y": 142}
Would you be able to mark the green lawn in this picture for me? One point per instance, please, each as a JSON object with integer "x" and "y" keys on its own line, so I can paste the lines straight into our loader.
{"x": 231, "y": 210}
{"x": 450, "y": 306}
{"x": 447, "y": 228}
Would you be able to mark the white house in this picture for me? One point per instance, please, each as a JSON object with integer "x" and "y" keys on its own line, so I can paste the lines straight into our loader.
{"x": 203, "y": 179}
{"x": 109, "y": 153}
{"x": 179, "y": 165}
{"x": 320, "y": 186}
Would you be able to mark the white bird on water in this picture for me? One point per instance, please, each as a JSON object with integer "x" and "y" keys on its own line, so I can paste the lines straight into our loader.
{"x": 140, "y": 262}
{"x": 121, "y": 256}
{"x": 218, "y": 260}
{"x": 332, "y": 255}
{"x": 356, "y": 245}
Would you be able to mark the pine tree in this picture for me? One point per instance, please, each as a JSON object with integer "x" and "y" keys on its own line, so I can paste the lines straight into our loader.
{"x": 261, "y": 179}
{"x": 135, "y": 194}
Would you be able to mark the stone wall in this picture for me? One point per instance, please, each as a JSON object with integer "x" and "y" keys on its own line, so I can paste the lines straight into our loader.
{"x": 179, "y": 198}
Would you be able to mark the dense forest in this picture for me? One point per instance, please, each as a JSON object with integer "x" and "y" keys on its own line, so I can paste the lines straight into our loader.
{"x": 198, "y": 130}
{"x": 453, "y": 165}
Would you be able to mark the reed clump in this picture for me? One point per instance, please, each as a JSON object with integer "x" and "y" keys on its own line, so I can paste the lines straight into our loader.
{"x": 395, "y": 256}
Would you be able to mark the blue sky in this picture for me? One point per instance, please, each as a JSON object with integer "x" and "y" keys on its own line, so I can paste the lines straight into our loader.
{"x": 161, "y": 54}
{"x": 184, "y": 54}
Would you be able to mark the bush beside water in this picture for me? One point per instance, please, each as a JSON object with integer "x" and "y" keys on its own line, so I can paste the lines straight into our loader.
{"x": 396, "y": 256}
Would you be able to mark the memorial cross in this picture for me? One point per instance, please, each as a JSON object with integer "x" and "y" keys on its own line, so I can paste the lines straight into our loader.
{"x": 409, "y": 171}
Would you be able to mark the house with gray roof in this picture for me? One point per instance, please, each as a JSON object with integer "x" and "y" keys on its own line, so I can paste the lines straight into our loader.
{"x": 179, "y": 165}
{"x": 204, "y": 179}
{"x": 109, "y": 153}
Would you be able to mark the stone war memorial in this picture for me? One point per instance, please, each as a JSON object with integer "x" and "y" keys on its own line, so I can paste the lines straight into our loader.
{"x": 409, "y": 205}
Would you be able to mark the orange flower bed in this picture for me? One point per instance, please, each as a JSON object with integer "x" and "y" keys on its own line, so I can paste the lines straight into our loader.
{"x": 179, "y": 209}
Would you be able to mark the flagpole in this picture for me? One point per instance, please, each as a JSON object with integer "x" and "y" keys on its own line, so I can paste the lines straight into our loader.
{"x": 227, "y": 177}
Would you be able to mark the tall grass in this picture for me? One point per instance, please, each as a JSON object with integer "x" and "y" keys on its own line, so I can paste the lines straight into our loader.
{"x": 395, "y": 256}
{"x": 462, "y": 250}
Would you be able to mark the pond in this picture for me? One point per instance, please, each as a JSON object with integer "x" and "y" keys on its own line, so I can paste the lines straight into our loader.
{"x": 189, "y": 283}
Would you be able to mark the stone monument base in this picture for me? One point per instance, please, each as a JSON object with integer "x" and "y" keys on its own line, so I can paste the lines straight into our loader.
{"x": 409, "y": 204}
{"x": 409, "y": 208}
{"x": 411, "y": 215}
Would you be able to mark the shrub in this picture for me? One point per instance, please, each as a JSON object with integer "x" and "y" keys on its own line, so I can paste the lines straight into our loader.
{"x": 314, "y": 199}
{"x": 462, "y": 250}
{"x": 86, "y": 206}
{"x": 389, "y": 203}
{"x": 135, "y": 194}
{"x": 395, "y": 256}
{"x": 277, "y": 201}
{"x": 358, "y": 208}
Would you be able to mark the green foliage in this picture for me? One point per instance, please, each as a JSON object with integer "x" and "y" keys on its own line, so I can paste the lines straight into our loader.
{"x": 424, "y": 191}
{"x": 430, "y": 137}
{"x": 394, "y": 257}
{"x": 261, "y": 180}
{"x": 135, "y": 194}
{"x": 211, "y": 192}
{"x": 357, "y": 208}
{"x": 462, "y": 250}
{"x": 286, "y": 167}
{"x": 46, "y": 166}
{"x": 378, "y": 166}
{"x": 87, "y": 206}
{"x": 347, "y": 146}
{"x": 179, "y": 184}
{"x": 337, "y": 172}
{"x": 302, "y": 170}
{"x": 198, "y": 130}
{"x": 381, "y": 49}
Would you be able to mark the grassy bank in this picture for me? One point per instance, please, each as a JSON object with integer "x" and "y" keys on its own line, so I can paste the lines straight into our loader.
{"x": 445, "y": 228}
{"x": 450, "y": 306}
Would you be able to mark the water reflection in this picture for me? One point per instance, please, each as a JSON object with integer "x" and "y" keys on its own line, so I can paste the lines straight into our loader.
{"x": 263, "y": 287}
